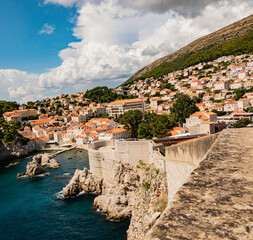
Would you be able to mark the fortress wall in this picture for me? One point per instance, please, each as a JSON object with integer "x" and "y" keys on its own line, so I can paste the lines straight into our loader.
{"x": 99, "y": 144}
{"x": 182, "y": 159}
{"x": 104, "y": 154}
{"x": 133, "y": 151}
{"x": 96, "y": 163}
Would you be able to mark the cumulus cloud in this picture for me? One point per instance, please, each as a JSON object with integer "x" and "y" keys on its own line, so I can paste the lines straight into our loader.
{"x": 184, "y": 7}
{"x": 47, "y": 29}
{"x": 65, "y": 3}
{"x": 117, "y": 39}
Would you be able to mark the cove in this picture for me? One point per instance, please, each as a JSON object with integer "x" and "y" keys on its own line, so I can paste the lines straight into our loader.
{"x": 32, "y": 208}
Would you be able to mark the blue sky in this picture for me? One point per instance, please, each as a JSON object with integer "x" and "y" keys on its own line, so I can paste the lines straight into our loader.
{"x": 49, "y": 47}
{"x": 21, "y": 45}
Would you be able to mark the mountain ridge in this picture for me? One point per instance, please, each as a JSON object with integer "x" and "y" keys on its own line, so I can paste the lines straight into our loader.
{"x": 224, "y": 35}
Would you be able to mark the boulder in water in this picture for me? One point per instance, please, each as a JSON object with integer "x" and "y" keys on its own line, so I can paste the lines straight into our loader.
{"x": 34, "y": 168}
{"x": 21, "y": 174}
{"x": 48, "y": 161}
{"x": 83, "y": 180}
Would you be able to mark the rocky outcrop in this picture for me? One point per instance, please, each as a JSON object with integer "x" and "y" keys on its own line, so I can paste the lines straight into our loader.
{"x": 48, "y": 161}
{"x": 117, "y": 198}
{"x": 38, "y": 164}
{"x": 136, "y": 193}
{"x": 83, "y": 180}
{"x": 34, "y": 168}
{"x": 149, "y": 202}
{"x": 14, "y": 150}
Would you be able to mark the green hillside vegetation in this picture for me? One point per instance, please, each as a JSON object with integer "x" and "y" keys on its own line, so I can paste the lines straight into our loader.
{"x": 9, "y": 131}
{"x": 242, "y": 45}
{"x": 7, "y": 107}
{"x": 104, "y": 94}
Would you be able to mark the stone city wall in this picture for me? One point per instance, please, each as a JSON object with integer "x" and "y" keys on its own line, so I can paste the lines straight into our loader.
{"x": 104, "y": 154}
{"x": 182, "y": 159}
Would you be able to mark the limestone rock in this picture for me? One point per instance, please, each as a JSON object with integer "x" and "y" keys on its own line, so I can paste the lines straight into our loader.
{"x": 21, "y": 174}
{"x": 46, "y": 160}
{"x": 38, "y": 165}
{"x": 34, "y": 168}
{"x": 83, "y": 180}
{"x": 149, "y": 203}
{"x": 49, "y": 162}
{"x": 37, "y": 158}
{"x": 117, "y": 198}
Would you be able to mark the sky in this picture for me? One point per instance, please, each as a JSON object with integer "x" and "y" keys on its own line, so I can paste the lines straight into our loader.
{"x": 49, "y": 47}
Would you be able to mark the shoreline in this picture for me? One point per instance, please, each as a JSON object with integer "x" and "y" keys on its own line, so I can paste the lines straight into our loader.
{"x": 8, "y": 156}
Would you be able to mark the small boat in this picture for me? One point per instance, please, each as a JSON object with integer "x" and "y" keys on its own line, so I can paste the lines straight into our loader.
{"x": 12, "y": 164}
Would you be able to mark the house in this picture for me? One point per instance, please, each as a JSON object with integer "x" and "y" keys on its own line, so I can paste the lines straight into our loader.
{"x": 43, "y": 122}
{"x": 230, "y": 106}
{"x": 78, "y": 118}
{"x": 26, "y": 113}
{"x": 207, "y": 96}
{"x": 203, "y": 123}
{"x": 115, "y": 133}
{"x": 98, "y": 110}
{"x": 222, "y": 85}
{"x": 218, "y": 107}
{"x": 86, "y": 111}
{"x": 119, "y": 107}
{"x": 196, "y": 84}
{"x": 13, "y": 117}
{"x": 201, "y": 106}
{"x": 236, "y": 85}
{"x": 165, "y": 91}
{"x": 244, "y": 104}
{"x": 242, "y": 74}
{"x": 180, "y": 131}
{"x": 220, "y": 96}
{"x": 155, "y": 102}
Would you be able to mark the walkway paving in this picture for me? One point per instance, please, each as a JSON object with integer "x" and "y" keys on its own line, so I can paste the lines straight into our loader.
{"x": 217, "y": 200}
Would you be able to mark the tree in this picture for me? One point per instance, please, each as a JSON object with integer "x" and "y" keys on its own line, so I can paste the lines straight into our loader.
{"x": 131, "y": 120}
{"x": 219, "y": 113}
{"x": 153, "y": 125}
{"x": 144, "y": 131}
{"x": 43, "y": 111}
{"x": 7, "y": 107}
{"x": 239, "y": 92}
{"x": 183, "y": 107}
{"x": 104, "y": 94}
{"x": 242, "y": 123}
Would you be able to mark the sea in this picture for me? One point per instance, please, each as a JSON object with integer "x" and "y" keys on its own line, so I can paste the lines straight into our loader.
{"x": 34, "y": 208}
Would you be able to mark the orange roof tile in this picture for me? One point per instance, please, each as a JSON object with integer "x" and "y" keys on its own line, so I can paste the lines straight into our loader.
{"x": 116, "y": 130}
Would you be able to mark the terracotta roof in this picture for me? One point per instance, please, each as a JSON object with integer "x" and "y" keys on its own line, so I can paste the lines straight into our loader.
{"x": 116, "y": 130}
{"x": 127, "y": 101}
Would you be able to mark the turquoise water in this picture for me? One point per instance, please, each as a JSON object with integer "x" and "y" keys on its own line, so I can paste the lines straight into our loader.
{"x": 32, "y": 209}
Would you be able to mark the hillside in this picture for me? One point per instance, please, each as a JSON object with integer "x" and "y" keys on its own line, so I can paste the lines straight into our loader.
{"x": 235, "y": 39}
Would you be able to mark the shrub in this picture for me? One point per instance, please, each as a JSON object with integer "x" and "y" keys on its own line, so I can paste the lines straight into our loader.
{"x": 146, "y": 185}
{"x": 161, "y": 202}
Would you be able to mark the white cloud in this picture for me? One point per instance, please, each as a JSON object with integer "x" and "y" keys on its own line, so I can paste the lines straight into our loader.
{"x": 47, "y": 29}
{"x": 115, "y": 42}
{"x": 65, "y": 3}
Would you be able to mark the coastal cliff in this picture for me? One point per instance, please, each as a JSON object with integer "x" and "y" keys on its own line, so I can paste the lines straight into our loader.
{"x": 139, "y": 193}
{"x": 14, "y": 150}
